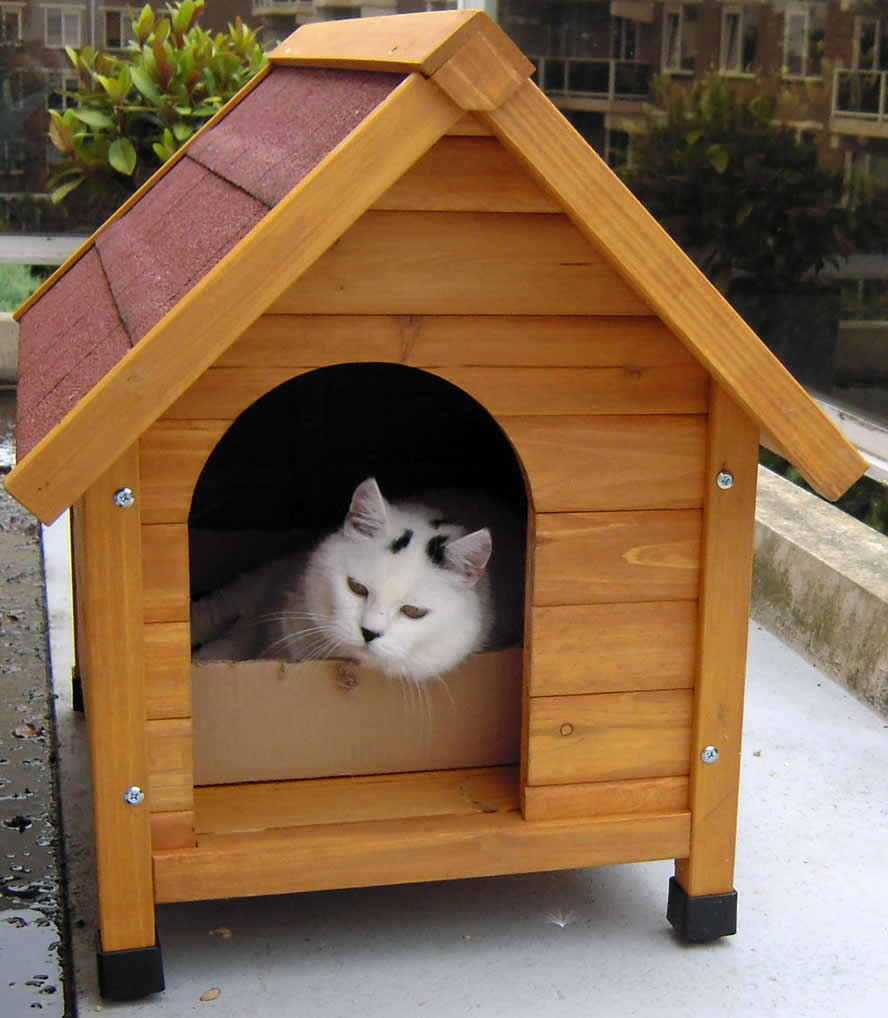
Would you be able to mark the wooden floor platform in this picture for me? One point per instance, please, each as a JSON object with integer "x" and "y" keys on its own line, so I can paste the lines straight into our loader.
{"x": 284, "y": 837}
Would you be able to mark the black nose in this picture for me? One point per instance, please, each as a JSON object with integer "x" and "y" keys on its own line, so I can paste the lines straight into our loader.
{"x": 369, "y": 634}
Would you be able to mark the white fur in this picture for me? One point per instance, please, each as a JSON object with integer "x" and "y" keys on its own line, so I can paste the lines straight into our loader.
{"x": 300, "y": 609}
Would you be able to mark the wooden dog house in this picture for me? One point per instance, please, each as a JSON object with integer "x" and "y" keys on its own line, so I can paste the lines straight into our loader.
{"x": 397, "y": 191}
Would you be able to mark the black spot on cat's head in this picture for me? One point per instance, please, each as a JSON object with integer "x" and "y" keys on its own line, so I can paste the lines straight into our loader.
{"x": 400, "y": 543}
{"x": 435, "y": 549}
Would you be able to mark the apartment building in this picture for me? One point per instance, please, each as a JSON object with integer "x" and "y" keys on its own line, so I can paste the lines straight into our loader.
{"x": 596, "y": 60}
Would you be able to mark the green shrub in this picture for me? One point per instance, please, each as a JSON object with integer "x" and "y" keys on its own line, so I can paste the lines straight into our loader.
{"x": 724, "y": 170}
{"x": 133, "y": 111}
{"x": 17, "y": 283}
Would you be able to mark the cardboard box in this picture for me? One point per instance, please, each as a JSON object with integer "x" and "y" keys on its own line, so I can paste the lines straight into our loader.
{"x": 275, "y": 720}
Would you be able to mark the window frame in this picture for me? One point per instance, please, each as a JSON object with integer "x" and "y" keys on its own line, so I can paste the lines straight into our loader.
{"x": 8, "y": 13}
{"x": 735, "y": 67}
{"x": 806, "y": 13}
{"x": 677, "y": 11}
{"x": 63, "y": 12}
{"x": 124, "y": 16}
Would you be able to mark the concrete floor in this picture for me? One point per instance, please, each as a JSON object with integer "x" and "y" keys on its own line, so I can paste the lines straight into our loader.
{"x": 811, "y": 874}
{"x": 32, "y": 920}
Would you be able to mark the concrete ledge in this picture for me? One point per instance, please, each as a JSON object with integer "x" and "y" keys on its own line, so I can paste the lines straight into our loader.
{"x": 821, "y": 584}
{"x": 9, "y": 331}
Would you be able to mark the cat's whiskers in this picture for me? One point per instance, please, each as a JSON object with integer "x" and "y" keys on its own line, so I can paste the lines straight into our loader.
{"x": 318, "y": 640}
{"x": 415, "y": 694}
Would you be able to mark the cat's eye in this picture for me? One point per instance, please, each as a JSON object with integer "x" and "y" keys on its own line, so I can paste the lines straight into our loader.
{"x": 357, "y": 588}
{"x": 412, "y": 612}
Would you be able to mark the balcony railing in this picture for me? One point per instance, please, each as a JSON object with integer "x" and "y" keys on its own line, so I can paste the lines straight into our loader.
{"x": 590, "y": 78}
{"x": 860, "y": 94}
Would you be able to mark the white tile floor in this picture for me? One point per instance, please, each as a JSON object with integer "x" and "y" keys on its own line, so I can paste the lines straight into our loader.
{"x": 811, "y": 874}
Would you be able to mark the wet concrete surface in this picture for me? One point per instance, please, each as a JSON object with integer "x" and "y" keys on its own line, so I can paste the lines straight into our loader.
{"x": 32, "y": 922}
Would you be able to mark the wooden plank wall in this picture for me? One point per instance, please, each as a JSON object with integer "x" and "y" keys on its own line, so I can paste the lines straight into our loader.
{"x": 467, "y": 270}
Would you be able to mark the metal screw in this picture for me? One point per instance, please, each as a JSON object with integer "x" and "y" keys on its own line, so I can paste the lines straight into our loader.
{"x": 709, "y": 755}
{"x": 134, "y": 796}
{"x": 124, "y": 498}
{"x": 725, "y": 480}
{"x": 567, "y": 728}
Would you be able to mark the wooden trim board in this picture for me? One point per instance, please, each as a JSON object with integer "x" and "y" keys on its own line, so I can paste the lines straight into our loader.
{"x": 726, "y": 578}
{"x": 405, "y": 42}
{"x": 409, "y": 851}
{"x": 109, "y": 556}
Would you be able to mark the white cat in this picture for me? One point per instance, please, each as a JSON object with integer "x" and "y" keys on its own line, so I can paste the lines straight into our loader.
{"x": 399, "y": 588}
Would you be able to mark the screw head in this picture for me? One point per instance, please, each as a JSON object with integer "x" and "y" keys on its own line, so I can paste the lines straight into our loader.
{"x": 134, "y": 796}
{"x": 725, "y": 480}
{"x": 709, "y": 755}
{"x": 124, "y": 498}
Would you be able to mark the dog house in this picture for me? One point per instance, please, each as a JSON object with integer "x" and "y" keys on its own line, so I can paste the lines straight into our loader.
{"x": 396, "y": 193}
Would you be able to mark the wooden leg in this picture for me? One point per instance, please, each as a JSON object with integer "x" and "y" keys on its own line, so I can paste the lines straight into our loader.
{"x": 107, "y": 550}
{"x": 702, "y": 900}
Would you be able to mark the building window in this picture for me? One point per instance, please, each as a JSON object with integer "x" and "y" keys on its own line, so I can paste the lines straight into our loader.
{"x": 62, "y": 26}
{"x": 624, "y": 36}
{"x": 680, "y": 38}
{"x": 62, "y": 90}
{"x": 12, "y": 155}
{"x": 10, "y": 24}
{"x": 870, "y": 51}
{"x": 118, "y": 28}
{"x": 616, "y": 148}
{"x": 739, "y": 39}
{"x": 12, "y": 91}
{"x": 803, "y": 38}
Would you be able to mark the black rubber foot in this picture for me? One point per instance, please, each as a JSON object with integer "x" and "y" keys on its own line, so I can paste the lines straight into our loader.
{"x": 77, "y": 693}
{"x": 703, "y": 918}
{"x": 129, "y": 975}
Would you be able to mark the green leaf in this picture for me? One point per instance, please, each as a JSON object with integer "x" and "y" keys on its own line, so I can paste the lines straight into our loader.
{"x": 143, "y": 24}
{"x": 182, "y": 17}
{"x": 718, "y": 157}
{"x": 61, "y": 133}
{"x": 94, "y": 118}
{"x": 145, "y": 85}
{"x": 692, "y": 137}
{"x": 111, "y": 86}
{"x": 166, "y": 146}
{"x": 58, "y": 193}
{"x": 182, "y": 131}
{"x": 122, "y": 156}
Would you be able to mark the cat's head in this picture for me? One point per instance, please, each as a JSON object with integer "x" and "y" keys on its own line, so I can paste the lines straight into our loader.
{"x": 403, "y": 586}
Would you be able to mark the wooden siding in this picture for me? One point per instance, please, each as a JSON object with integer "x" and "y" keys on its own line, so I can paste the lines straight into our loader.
{"x": 607, "y": 413}
{"x": 619, "y": 500}
{"x": 461, "y": 263}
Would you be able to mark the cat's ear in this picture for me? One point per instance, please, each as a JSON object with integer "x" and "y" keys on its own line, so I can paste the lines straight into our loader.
{"x": 469, "y": 555}
{"x": 367, "y": 512}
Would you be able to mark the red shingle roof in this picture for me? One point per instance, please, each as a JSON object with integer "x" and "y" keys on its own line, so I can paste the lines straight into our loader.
{"x": 185, "y": 221}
